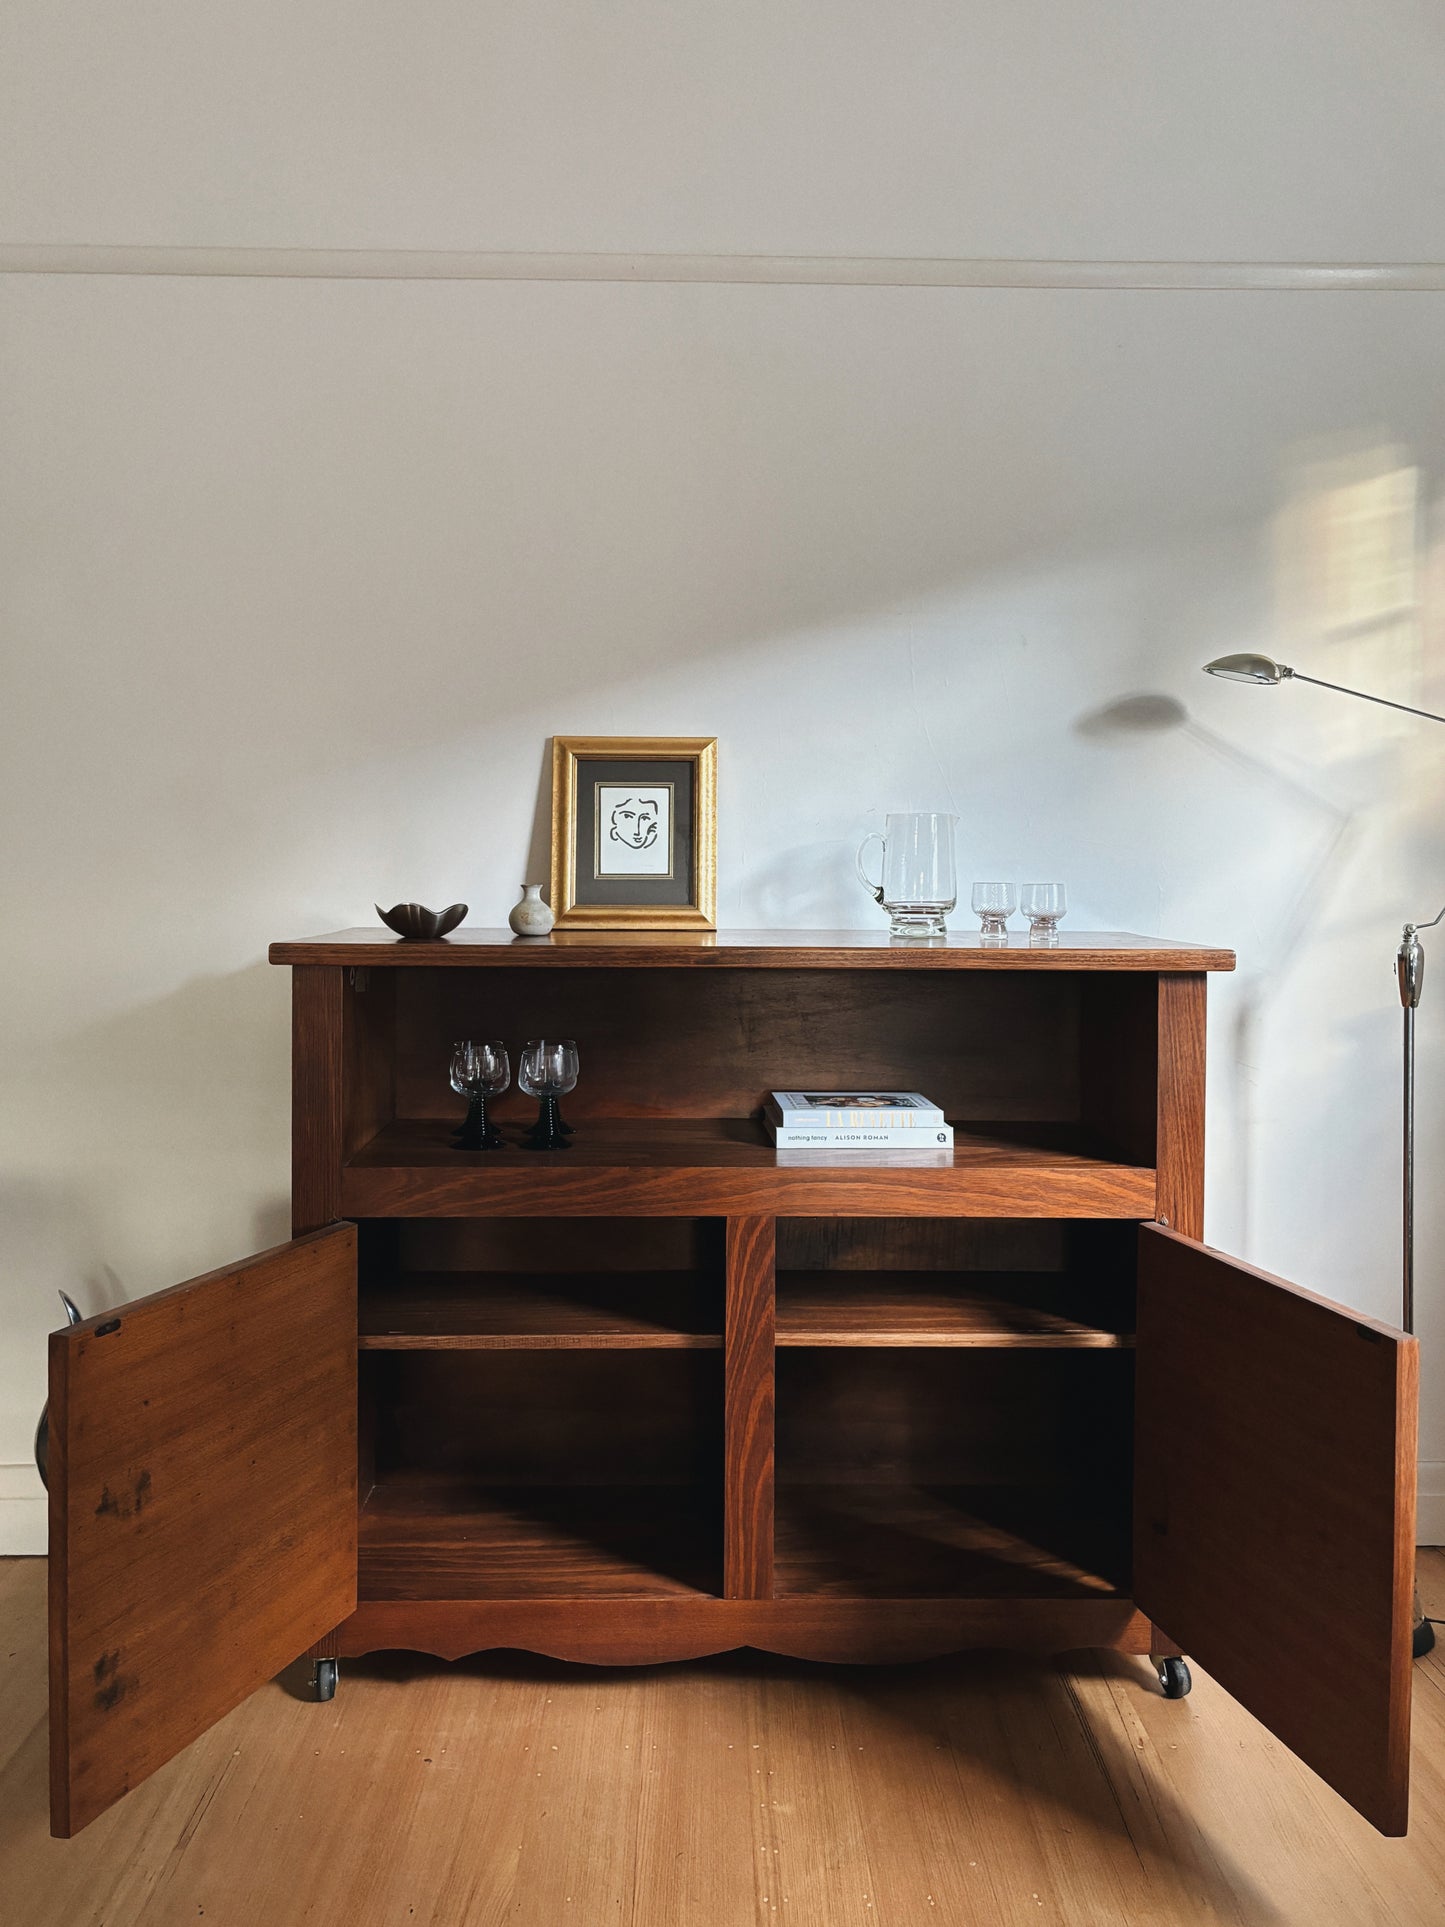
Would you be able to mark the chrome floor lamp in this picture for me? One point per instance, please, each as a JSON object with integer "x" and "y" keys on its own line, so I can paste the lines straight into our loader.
{"x": 1410, "y": 974}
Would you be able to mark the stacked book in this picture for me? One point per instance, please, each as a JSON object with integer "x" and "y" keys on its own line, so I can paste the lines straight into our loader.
{"x": 856, "y": 1121}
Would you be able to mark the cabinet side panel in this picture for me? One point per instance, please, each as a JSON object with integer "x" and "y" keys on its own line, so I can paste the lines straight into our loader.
{"x": 749, "y": 1400}
{"x": 1180, "y": 1157}
{"x": 63, "y": 1821}
{"x": 316, "y": 1096}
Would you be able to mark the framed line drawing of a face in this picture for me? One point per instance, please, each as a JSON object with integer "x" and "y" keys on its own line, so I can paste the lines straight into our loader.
{"x": 634, "y": 832}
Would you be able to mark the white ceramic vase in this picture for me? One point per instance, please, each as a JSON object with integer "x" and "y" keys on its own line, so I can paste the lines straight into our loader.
{"x": 531, "y": 917}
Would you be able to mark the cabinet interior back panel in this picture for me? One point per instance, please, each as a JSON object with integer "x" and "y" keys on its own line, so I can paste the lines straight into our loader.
{"x": 662, "y": 1043}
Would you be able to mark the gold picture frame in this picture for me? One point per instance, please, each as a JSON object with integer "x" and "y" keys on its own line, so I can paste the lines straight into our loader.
{"x": 649, "y": 858}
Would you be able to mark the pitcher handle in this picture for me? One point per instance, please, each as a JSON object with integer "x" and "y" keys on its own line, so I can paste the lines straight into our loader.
{"x": 875, "y": 890}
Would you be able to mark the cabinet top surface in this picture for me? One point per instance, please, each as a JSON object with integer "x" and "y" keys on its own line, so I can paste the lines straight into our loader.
{"x": 752, "y": 950}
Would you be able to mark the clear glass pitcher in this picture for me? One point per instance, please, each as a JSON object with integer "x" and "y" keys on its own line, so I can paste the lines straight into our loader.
{"x": 918, "y": 888}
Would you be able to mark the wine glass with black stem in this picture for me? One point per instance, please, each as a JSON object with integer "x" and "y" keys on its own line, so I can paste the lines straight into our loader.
{"x": 547, "y": 1071}
{"x": 479, "y": 1071}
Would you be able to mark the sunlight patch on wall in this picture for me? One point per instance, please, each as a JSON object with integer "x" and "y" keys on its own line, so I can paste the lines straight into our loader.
{"x": 1349, "y": 576}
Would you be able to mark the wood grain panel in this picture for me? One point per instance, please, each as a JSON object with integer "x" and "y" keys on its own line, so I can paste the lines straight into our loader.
{"x": 586, "y": 1417}
{"x": 1180, "y": 1132}
{"x": 559, "y": 1244}
{"x": 317, "y": 1123}
{"x": 748, "y": 1410}
{"x": 924, "y": 1244}
{"x": 957, "y": 1416}
{"x": 724, "y": 1167}
{"x": 526, "y": 1311}
{"x": 751, "y": 950}
{"x": 457, "y": 1539}
{"x": 1275, "y": 1508}
{"x": 202, "y": 1507}
{"x": 1119, "y": 1061}
{"x": 646, "y": 1632}
{"x": 987, "y": 1311}
{"x": 368, "y": 1026}
{"x": 669, "y": 1043}
{"x": 901, "y": 1541}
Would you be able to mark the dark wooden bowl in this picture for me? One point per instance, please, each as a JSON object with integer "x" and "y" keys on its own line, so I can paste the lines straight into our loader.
{"x": 415, "y": 920}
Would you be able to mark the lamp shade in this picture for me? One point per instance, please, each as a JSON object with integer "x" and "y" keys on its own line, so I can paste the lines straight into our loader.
{"x": 1259, "y": 669}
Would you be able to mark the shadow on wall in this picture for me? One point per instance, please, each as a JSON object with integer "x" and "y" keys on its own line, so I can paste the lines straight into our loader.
{"x": 1295, "y": 919}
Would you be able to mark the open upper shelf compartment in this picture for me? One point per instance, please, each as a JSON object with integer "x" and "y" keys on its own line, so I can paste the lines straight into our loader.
{"x": 1045, "y": 1061}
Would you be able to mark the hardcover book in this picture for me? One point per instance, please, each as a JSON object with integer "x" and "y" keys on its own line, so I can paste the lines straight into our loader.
{"x": 834, "y": 1110}
{"x": 918, "y": 1137}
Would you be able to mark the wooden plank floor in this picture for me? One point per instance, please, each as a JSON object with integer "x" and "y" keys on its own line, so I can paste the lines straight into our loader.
{"x": 984, "y": 1789}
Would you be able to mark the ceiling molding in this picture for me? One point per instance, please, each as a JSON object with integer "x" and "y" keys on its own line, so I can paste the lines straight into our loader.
{"x": 723, "y": 270}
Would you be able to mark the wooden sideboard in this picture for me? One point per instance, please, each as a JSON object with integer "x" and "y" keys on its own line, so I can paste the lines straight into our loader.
{"x": 671, "y": 1391}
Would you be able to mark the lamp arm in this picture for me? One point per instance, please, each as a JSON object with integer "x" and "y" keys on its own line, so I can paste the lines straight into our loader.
{"x": 1365, "y": 697}
{"x": 1411, "y": 928}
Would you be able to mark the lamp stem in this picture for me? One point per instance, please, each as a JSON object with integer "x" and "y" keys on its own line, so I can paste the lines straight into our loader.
{"x": 1383, "y": 701}
{"x": 1410, "y": 973}
{"x": 1407, "y": 1269}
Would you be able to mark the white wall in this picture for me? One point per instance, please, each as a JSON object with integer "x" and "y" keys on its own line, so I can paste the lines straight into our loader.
{"x": 299, "y": 575}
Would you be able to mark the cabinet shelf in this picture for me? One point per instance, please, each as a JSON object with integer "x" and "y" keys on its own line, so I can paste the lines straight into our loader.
{"x": 996, "y": 1311}
{"x": 650, "y": 1167}
{"x": 524, "y": 1311}
{"x": 427, "y": 1536}
{"x": 899, "y": 1541}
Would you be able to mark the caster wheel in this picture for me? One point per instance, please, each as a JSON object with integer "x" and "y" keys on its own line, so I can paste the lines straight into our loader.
{"x": 323, "y": 1680}
{"x": 1174, "y": 1677}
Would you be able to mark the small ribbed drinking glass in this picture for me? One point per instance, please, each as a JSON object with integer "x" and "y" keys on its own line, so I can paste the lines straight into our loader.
{"x": 993, "y": 905}
{"x": 1044, "y": 904}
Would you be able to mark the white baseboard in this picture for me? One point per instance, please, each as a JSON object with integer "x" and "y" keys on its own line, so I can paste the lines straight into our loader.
{"x": 23, "y": 1512}
{"x": 1430, "y": 1518}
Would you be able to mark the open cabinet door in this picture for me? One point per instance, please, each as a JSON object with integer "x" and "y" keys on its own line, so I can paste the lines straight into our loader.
{"x": 202, "y": 1507}
{"x": 1274, "y": 1508}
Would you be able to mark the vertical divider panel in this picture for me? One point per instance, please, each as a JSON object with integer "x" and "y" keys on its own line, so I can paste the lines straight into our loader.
{"x": 316, "y": 1096}
{"x": 748, "y": 1404}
